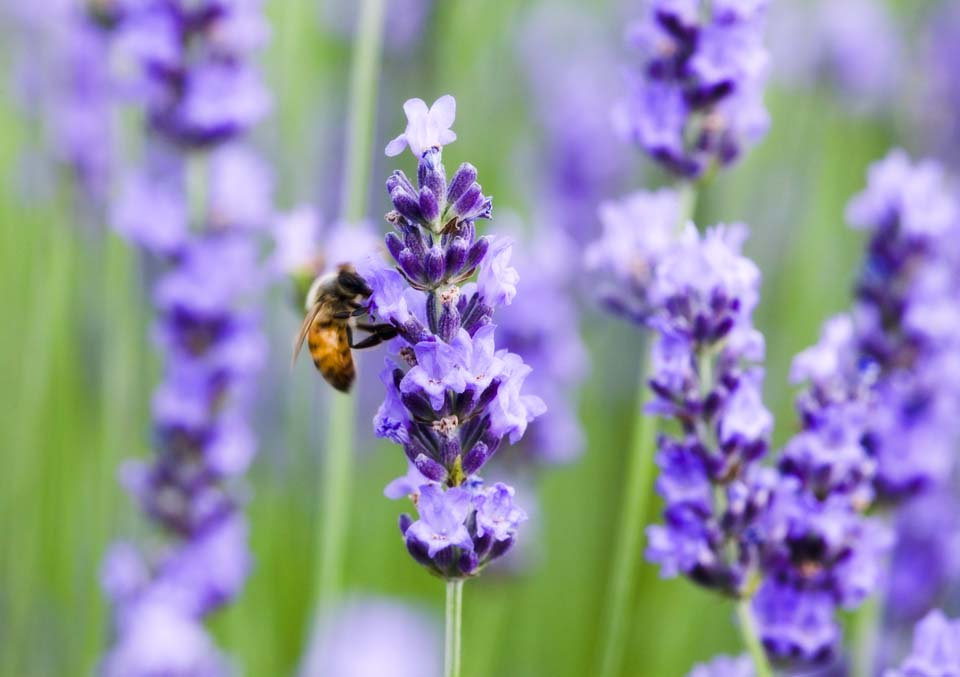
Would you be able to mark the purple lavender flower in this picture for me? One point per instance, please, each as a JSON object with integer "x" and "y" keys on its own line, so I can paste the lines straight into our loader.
{"x": 852, "y": 46}
{"x": 63, "y": 80}
{"x": 207, "y": 331}
{"x": 936, "y": 648}
{"x": 818, "y": 550}
{"x": 724, "y": 666}
{"x": 426, "y": 127}
{"x": 196, "y": 97}
{"x": 441, "y": 523}
{"x": 553, "y": 347}
{"x": 371, "y": 637}
{"x": 940, "y": 91}
{"x": 906, "y": 314}
{"x": 696, "y": 99}
{"x": 796, "y": 624}
{"x": 638, "y": 231}
{"x": 580, "y": 159}
{"x": 706, "y": 378}
{"x": 303, "y": 250}
{"x": 928, "y": 540}
{"x": 452, "y": 395}
{"x": 160, "y": 640}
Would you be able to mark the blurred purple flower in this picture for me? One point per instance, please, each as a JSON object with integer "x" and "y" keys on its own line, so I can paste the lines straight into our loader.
{"x": 583, "y": 161}
{"x": 696, "y": 98}
{"x": 936, "y": 649}
{"x": 541, "y": 324}
{"x": 933, "y": 112}
{"x": 195, "y": 97}
{"x": 62, "y": 81}
{"x": 874, "y": 421}
{"x": 796, "y": 624}
{"x": 906, "y": 321}
{"x": 724, "y": 666}
{"x": 207, "y": 331}
{"x": 373, "y": 637}
{"x": 928, "y": 541}
{"x": 638, "y": 230}
{"x": 160, "y": 639}
{"x": 854, "y": 46}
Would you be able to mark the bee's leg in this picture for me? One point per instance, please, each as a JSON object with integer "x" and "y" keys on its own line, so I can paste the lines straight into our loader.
{"x": 378, "y": 334}
{"x": 384, "y": 329}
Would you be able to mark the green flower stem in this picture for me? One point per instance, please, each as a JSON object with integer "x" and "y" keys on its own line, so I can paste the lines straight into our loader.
{"x": 636, "y": 496}
{"x": 336, "y": 466}
{"x": 454, "y": 630}
{"x": 627, "y": 542}
{"x": 748, "y": 632}
{"x": 364, "y": 74}
{"x": 866, "y": 629}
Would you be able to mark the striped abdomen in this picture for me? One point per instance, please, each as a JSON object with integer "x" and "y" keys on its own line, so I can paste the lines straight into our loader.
{"x": 329, "y": 346}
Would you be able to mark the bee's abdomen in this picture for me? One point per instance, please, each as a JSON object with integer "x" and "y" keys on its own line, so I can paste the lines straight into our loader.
{"x": 330, "y": 349}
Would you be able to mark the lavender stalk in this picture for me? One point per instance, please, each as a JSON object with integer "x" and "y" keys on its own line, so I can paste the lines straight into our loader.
{"x": 694, "y": 105}
{"x": 201, "y": 94}
{"x": 453, "y": 633}
{"x": 452, "y": 397}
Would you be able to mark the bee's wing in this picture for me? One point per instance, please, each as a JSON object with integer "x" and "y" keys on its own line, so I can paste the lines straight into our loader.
{"x": 304, "y": 329}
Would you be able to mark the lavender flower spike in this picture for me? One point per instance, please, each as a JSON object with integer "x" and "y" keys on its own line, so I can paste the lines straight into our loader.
{"x": 200, "y": 94}
{"x": 907, "y": 312}
{"x": 452, "y": 395}
{"x": 707, "y": 378}
{"x": 696, "y": 100}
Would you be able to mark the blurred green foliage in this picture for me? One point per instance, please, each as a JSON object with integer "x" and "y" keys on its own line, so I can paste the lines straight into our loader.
{"x": 77, "y": 372}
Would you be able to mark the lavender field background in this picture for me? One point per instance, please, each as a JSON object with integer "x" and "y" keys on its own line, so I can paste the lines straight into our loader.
{"x": 78, "y": 365}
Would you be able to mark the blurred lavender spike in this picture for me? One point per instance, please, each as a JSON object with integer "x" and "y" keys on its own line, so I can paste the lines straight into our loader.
{"x": 707, "y": 378}
{"x": 373, "y": 637}
{"x": 695, "y": 99}
{"x": 198, "y": 102}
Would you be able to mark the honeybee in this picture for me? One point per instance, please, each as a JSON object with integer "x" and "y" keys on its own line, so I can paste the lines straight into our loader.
{"x": 333, "y": 305}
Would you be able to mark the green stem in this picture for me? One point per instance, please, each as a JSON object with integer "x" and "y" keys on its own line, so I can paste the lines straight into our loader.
{"x": 360, "y": 110}
{"x": 336, "y": 495}
{"x": 748, "y": 632}
{"x": 453, "y": 633}
{"x": 866, "y": 630}
{"x": 688, "y": 203}
{"x": 627, "y": 540}
{"x": 336, "y": 467}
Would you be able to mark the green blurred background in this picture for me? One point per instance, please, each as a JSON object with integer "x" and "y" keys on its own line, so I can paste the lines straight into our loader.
{"x": 77, "y": 371}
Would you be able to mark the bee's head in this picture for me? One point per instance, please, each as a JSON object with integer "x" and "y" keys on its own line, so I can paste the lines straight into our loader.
{"x": 351, "y": 282}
